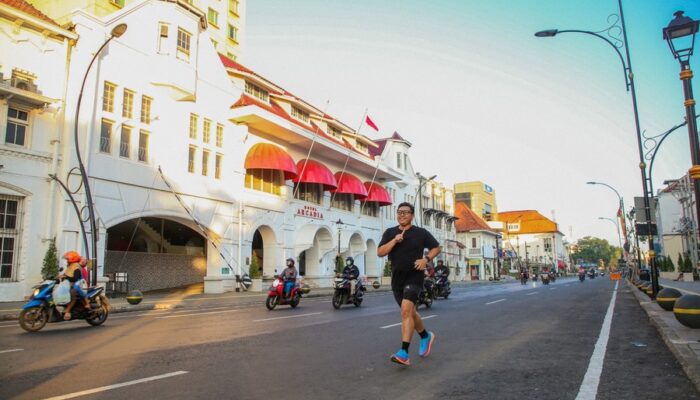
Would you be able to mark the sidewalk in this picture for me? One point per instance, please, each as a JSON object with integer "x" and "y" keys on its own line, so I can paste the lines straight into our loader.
{"x": 185, "y": 298}
{"x": 683, "y": 342}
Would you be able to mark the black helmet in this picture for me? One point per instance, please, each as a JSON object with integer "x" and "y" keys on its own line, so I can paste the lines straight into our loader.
{"x": 290, "y": 260}
{"x": 351, "y": 260}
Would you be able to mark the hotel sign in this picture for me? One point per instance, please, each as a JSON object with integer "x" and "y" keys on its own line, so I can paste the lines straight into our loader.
{"x": 309, "y": 211}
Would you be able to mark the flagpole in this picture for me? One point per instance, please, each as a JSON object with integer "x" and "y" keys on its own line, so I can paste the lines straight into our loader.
{"x": 376, "y": 169}
{"x": 306, "y": 161}
{"x": 347, "y": 157}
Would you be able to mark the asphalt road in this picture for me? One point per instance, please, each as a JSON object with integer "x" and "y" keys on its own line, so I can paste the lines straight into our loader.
{"x": 493, "y": 342}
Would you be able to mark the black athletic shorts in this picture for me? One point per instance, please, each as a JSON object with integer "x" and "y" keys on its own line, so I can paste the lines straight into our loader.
{"x": 409, "y": 291}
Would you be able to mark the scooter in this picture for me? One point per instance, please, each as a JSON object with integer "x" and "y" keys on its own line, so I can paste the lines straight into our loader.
{"x": 275, "y": 295}
{"x": 426, "y": 295}
{"x": 341, "y": 294}
{"x": 442, "y": 287}
{"x": 545, "y": 279}
{"x": 581, "y": 277}
{"x": 41, "y": 309}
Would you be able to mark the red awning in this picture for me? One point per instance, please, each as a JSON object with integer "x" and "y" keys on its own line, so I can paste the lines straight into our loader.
{"x": 311, "y": 171}
{"x": 377, "y": 193}
{"x": 350, "y": 184}
{"x": 269, "y": 156}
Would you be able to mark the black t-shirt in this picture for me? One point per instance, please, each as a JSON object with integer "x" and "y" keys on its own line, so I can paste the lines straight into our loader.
{"x": 404, "y": 255}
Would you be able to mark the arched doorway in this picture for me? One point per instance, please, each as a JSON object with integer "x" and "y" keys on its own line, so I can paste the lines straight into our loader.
{"x": 264, "y": 250}
{"x": 356, "y": 249}
{"x": 371, "y": 268}
{"x": 156, "y": 253}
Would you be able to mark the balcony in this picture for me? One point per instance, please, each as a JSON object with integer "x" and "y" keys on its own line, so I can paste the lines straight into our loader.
{"x": 474, "y": 252}
{"x": 24, "y": 92}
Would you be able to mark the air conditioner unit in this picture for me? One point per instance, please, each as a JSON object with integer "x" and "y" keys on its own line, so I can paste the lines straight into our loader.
{"x": 23, "y": 84}
{"x": 164, "y": 31}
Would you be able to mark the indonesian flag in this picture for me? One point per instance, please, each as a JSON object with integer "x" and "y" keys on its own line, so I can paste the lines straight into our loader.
{"x": 371, "y": 123}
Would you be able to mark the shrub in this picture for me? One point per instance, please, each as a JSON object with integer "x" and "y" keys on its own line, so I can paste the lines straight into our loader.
{"x": 681, "y": 262}
{"x": 254, "y": 269}
{"x": 387, "y": 268}
{"x": 687, "y": 264}
{"x": 50, "y": 265}
{"x": 669, "y": 264}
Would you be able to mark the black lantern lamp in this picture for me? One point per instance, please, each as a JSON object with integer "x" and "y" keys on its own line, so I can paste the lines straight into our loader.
{"x": 680, "y": 35}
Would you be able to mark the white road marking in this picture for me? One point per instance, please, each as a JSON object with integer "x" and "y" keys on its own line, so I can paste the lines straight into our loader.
{"x": 116, "y": 386}
{"x": 530, "y": 294}
{"x": 389, "y": 326}
{"x": 290, "y": 316}
{"x": 10, "y": 351}
{"x": 497, "y": 301}
{"x": 195, "y": 314}
{"x": 589, "y": 386}
{"x": 553, "y": 288}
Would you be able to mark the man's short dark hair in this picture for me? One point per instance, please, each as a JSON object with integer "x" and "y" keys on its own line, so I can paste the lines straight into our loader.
{"x": 407, "y": 204}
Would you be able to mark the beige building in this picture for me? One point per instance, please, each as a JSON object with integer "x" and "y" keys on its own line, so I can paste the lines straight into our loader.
{"x": 225, "y": 18}
{"x": 479, "y": 197}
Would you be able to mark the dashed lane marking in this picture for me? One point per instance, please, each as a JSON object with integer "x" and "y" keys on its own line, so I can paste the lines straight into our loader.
{"x": 116, "y": 386}
{"x": 392, "y": 325}
{"x": 530, "y": 294}
{"x": 289, "y": 316}
{"x": 195, "y": 314}
{"x": 10, "y": 351}
{"x": 497, "y": 301}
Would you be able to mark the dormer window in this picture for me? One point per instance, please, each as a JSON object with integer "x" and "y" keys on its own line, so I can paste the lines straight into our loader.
{"x": 335, "y": 132}
{"x": 257, "y": 92}
{"x": 300, "y": 114}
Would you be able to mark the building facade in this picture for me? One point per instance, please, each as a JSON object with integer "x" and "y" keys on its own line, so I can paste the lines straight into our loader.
{"x": 478, "y": 197}
{"x": 481, "y": 241}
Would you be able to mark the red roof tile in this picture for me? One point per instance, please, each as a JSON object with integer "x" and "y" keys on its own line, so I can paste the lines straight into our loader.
{"x": 28, "y": 9}
{"x": 530, "y": 221}
{"x": 469, "y": 220}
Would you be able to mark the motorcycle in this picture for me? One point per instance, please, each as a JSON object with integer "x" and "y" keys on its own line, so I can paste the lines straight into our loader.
{"x": 426, "y": 295}
{"x": 442, "y": 287}
{"x": 581, "y": 277}
{"x": 341, "y": 294}
{"x": 41, "y": 309}
{"x": 523, "y": 279}
{"x": 545, "y": 279}
{"x": 552, "y": 277}
{"x": 275, "y": 295}
{"x": 534, "y": 277}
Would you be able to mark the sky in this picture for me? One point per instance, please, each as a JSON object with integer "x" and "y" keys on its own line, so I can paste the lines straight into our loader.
{"x": 481, "y": 98}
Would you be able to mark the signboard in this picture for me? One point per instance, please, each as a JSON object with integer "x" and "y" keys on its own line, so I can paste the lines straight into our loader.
{"x": 615, "y": 276}
{"x": 642, "y": 229}
{"x": 488, "y": 189}
{"x": 640, "y": 213}
{"x": 474, "y": 261}
{"x": 309, "y": 211}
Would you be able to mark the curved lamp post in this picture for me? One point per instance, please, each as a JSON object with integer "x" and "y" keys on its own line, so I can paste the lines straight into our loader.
{"x": 422, "y": 181}
{"x": 617, "y": 227}
{"x": 680, "y": 35}
{"x": 629, "y": 81}
{"x": 621, "y": 209}
{"x": 117, "y": 31}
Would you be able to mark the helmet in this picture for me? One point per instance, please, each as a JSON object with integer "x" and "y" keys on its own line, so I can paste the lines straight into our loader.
{"x": 290, "y": 260}
{"x": 72, "y": 256}
{"x": 349, "y": 261}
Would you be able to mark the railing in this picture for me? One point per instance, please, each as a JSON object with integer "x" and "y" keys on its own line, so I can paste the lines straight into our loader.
{"x": 105, "y": 145}
{"x": 474, "y": 252}
{"x": 143, "y": 154}
{"x": 124, "y": 150}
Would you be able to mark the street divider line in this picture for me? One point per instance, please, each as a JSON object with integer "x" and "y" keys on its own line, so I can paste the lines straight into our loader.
{"x": 392, "y": 325}
{"x": 497, "y": 301}
{"x": 530, "y": 294}
{"x": 190, "y": 315}
{"x": 553, "y": 288}
{"x": 10, "y": 351}
{"x": 289, "y": 316}
{"x": 589, "y": 386}
{"x": 116, "y": 386}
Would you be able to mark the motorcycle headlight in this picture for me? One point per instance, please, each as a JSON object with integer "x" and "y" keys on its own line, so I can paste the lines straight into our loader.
{"x": 35, "y": 292}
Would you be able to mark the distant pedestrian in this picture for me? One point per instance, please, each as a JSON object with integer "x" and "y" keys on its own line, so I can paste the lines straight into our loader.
{"x": 404, "y": 244}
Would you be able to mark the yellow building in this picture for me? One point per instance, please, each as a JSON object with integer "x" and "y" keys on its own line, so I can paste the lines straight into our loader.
{"x": 225, "y": 18}
{"x": 479, "y": 197}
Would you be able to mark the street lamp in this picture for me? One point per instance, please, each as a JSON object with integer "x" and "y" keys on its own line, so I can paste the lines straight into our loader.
{"x": 621, "y": 211}
{"x": 629, "y": 81}
{"x": 338, "y": 223}
{"x": 422, "y": 181}
{"x": 680, "y": 35}
{"x": 117, "y": 31}
{"x": 617, "y": 226}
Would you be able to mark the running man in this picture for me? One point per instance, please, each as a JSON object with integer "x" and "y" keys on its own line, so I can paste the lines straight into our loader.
{"x": 404, "y": 244}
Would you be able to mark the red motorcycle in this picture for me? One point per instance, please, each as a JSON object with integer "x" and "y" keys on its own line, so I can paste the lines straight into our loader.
{"x": 275, "y": 295}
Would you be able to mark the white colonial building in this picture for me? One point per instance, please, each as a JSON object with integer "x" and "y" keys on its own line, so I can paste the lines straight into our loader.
{"x": 481, "y": 244}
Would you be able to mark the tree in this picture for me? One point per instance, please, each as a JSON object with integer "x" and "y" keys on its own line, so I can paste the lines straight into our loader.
{"x": 687, "y": 264}
{"x": 681, "y": 263}
{"x": 254, "y": 269}
{"x": 669, "y": 264}
{"x": 591, "y": 249}
{"x": 50, "y": 265}
{"x": 387, "y": 268}
{"x": 339, "y": 265}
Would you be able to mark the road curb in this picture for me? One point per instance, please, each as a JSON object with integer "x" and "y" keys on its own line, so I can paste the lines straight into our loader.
{"x": 668, "y": 329}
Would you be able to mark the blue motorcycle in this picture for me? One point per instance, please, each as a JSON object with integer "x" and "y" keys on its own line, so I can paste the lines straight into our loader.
{"x": 41, "y": 308}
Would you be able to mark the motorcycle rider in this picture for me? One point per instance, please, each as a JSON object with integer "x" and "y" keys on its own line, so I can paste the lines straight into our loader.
{"x": 290, "y": 276}
{"x": 352, "y": 273}
{"x": 74, "y": 276}
{"x": 441, "y": 270}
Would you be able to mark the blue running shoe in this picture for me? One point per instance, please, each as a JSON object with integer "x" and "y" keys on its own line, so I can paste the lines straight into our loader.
{"x": 426, "y": 344}
{"x": 401, "y": 357}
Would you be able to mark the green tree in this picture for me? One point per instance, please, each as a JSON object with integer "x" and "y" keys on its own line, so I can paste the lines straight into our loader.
{"x": 687, "y": 264}
{"x": 50, "y": 264}
{"x": 387, "y": 268}
{"x": 254, "y": 269}
{"x": 591, "y": 249}
{"x": 339, "y": 265}
{"x": 669, "y": 264}
{"x": 680, "y": 262}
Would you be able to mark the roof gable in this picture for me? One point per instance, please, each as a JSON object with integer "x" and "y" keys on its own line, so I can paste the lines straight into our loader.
{"x": 28, "y": 9}
{"x": 530, "y": 221}
{"x": 468, "y": 220}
